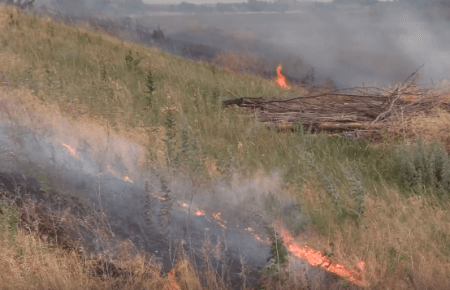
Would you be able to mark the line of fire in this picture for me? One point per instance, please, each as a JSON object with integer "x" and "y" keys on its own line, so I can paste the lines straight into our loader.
{"x": 303, "y": 252}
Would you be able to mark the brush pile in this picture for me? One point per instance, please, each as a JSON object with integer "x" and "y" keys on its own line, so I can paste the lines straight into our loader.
{"x": 363, "y": 111}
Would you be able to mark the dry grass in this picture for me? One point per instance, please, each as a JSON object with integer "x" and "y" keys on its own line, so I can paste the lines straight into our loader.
{"x": 40, "y": 249}
{"x": 432, "y": 125}
{"x": 402, "y": 237}
{"x": 236, "y": 62}
{"x": 403, "y": 240}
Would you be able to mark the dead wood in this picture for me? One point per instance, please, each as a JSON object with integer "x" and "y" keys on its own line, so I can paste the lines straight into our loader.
{"x": 365, "y": 110}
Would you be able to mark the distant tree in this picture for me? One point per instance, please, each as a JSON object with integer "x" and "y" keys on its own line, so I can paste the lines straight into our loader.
{"x": 363, "y": 2}
{"x": 426, "y": 3}
{"x": 187, "y": 7}
{"x": 221, "y": 7}
{"x": 19, "y": 3}
{"x": 257, "y": 6}
{"x": 135, "y": 4}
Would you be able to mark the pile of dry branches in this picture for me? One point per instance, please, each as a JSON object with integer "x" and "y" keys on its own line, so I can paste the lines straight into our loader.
{"x": 361, "y": 110}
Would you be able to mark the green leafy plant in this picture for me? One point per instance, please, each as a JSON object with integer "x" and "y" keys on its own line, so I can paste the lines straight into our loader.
{"x": 356, "y": 190}
{"x": 421, "y": 165}
{"x": 279, "y": 254}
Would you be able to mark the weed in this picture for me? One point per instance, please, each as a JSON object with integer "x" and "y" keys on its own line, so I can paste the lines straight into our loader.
{"x": 215, "y": 97}
{"x": 132, "y": 62}
{"x": 356, "y": 190}
{"x": 148, "y": 204}
{"x": 50, "y": 29}
{"x": 330, "y": 188}
{"x": 9, "y": 218}
{"x": 393, "y": 258}
{"x": 329, "y": 83}
{"x": 150, "y": 84}
{"x": 166, "y": 208}
{"x": 422, "y": 165}
{"x": 279, "y": 253}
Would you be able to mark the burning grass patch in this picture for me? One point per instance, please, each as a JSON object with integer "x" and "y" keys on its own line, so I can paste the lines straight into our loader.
{"x": 42, "y": 244}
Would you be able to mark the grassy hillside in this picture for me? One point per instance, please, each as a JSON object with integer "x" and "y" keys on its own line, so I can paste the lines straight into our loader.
{"x": 385, "y": 204}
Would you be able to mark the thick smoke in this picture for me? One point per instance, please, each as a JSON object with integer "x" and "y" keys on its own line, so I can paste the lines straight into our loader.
{"x": 380, "y": 44}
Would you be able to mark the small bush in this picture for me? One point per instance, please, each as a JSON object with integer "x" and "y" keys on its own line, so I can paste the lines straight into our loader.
{"x": 422, "y": 165}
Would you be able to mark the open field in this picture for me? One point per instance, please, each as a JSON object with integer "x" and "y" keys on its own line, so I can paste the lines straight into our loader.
{"x": 385, "y": 204}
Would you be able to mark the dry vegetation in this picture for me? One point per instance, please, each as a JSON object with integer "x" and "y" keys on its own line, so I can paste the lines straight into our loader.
{"x": 383, "y": 204}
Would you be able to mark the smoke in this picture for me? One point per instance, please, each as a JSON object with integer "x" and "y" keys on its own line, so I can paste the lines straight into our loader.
{"x": 104, "y": 170}
{"x": 380, "y": 44}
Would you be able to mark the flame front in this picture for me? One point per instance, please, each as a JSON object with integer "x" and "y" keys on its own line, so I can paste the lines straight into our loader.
{"x": 72, "y": 151}
{"x": 219, "y": 220}
{"x": 315, "y": 258}
{"x": 172, "y": 283}
{"x": 281, "y": 79}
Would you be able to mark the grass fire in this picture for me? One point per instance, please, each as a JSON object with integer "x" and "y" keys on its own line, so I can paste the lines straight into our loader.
{"x": 281, "y": 79}
{"x": 123, "y": 166}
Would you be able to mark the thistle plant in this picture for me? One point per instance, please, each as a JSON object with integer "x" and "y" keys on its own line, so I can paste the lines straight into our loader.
{"x": 356, "y": 190}
{"x": 279, "y": 253}
{"x": 185, "y": 140}
{"x": 166, "y": 208}
{"x": 422, "y": 165}
{"x": 330, "y": 187}
{"x": 170, "y": 136}
{"x": 150, "y": 84}
{"x": 215, "y": 96}
{"x": 148, "y": 204}
{"x": 132, "y": 62}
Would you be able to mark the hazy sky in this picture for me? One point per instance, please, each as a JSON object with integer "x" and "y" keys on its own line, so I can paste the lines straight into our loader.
{"x": 374, "y": 45}
{"x": 223, "y": 1}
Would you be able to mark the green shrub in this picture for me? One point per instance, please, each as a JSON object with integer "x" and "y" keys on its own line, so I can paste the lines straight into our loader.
{"x": 421, "y": 165}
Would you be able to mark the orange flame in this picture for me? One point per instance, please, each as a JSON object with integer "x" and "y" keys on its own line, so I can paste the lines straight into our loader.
{"x": 316, "y": 258}
{"x": 281, "y": 79}
{"x": 172, "y": 283}
{"x": 72, "y": 151}
{"x": 126, "y": 178}
{"x": 158, "y": 197}
{"x": 312, "y": 256}
{"x": 220, "y": 221}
